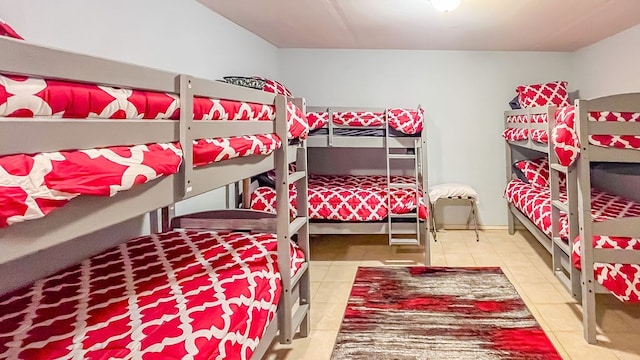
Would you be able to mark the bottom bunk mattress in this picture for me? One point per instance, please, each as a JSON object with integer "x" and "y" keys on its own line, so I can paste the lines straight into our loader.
{"x": 622, "y": 280}
{"x": 535, "y": 203}
{"x": 348, "y": 198}
{"x": 175, "y": 295}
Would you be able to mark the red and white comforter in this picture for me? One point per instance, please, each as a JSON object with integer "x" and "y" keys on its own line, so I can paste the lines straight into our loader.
{"x": 347, "y": 198}
{"x": 177, "y": 295}
{"x": 622, "y": 280}
{"x": 32, "y": 97}
{"x": 31, "y": 186}
{"x": 564, "y": 135}
{"x": 565, "y": 138}
{"x": 406, "y": 121}
{"x": 535, "y": 203}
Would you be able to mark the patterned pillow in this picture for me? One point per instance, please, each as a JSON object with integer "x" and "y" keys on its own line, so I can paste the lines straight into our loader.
{"x": 536, "y": 171}
{"x": 275, "y": 87}
{"x": 259, "y": 83}
{"x": 249, "y": 82}
{"x": 6, "y": 30}
{"x": 554, "y": 93}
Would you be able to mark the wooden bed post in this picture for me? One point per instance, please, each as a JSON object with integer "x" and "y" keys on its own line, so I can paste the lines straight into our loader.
{"x": 246, "y": 193}
{"x": 508, "y": 174}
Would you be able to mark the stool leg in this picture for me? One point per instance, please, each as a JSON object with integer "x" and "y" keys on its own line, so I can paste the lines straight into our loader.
{"x": 475, "y": 220}
{"x": 432, "y": 218}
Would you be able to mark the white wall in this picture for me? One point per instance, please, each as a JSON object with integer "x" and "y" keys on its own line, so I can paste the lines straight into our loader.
{"x": 464, "y": 94}
{"x": 181, "y": 36}
{"x": 609, "y": 66}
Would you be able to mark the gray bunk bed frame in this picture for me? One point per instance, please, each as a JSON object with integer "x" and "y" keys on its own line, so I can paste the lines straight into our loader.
{"x": 87, "y": 214}
{"x": 391, "y": 143}
{"x": 626, "y": 227}
{"x": 528, "y": 149}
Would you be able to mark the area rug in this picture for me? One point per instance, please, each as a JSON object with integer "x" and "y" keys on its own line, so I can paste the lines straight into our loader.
{"x": 438, "y": 313}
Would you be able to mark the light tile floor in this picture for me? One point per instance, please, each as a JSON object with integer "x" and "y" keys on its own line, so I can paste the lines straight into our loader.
{"x": 335, "y": 259}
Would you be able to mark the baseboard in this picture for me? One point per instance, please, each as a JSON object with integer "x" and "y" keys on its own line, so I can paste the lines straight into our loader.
{"x": 465, "y": 227}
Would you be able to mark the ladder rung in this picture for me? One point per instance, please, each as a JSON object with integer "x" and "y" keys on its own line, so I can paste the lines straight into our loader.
{"x": 296, "y": 224}
{"x": 293, "y": 177}
{"x": 404, "y": 241}
{"x": 562, "y": 245}
{"x": 560, "y": 205}
{"x": 299, "y": 274}
{"x": 558, "y": 167}
{"x": 299, "y": 315}
{"x": 403, "y": 216}
{"x": 402, "y": 156}
{"x": 403, "y": 185}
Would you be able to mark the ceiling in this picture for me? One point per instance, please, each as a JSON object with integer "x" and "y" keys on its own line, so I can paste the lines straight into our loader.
{"x": 537, "y": 25}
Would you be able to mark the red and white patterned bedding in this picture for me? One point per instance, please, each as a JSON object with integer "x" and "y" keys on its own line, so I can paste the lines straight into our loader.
{"x": 535, "y": 203}
{"x": 564, "y": 134}
{"x": 346, "y": 198}
{"x": 621, "y": 280}
{"x": 32, "y": 97}
{"x": 406, "y": 121}
{"x": 31, "y": 186}
{"x": 177, "y": 295}
{"x": 565, "y": 138}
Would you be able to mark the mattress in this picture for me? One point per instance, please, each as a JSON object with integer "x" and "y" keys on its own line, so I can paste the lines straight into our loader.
{"x": 620, "y": 279}
{"x": 34, "y": 185}
{"x": 535, "y": 203}
{"x": 176, "y": 295}
{"x": 347, "y": 198}
{"x": 26, "y": 97}
{"x": 409, "y": 122}
{"x": 564, "y": 136}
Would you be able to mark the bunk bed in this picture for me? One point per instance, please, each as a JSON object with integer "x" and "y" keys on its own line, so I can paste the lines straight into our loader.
{"x": 201, "y": 290}
{"x": 535, "y": 195}
{"x": 602, "y": 130}
{"x": 382, "y": 204}
{"x": 566, "y": 208}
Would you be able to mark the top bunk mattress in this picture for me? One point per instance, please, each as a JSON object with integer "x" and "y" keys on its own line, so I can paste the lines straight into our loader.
{"x": 177, "y": 295}
{"x": 564, "y": 136}
{"x": 404, "y": 121}
{"x": 27, "y": 97}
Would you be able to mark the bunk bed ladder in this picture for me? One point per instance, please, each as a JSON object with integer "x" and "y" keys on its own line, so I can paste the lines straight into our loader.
{"x": 293, "y": 309}
{"x": 394, "y": 221}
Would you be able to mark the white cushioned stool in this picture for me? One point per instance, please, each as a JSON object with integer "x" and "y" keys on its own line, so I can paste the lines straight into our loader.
{"x": 453, "y": 192}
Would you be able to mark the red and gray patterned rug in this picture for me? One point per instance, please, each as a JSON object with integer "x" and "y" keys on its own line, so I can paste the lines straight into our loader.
{"x": 438, "y": 313}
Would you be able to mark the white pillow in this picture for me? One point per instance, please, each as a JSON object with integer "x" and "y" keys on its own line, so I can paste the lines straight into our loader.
{"x": 444, "y": 191}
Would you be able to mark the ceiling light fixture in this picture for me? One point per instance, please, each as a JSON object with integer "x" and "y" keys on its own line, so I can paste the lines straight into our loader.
{"x": 445, "y": 5}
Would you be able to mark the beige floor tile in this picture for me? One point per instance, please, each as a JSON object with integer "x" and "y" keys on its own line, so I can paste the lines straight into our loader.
{"x": 482, "y": 247}
{"x": 336, "y": 292}
{"x": 457, "y": 259}
{"x": 542, "y": 293}
{"x": 561, "y": 317}
{"x": 488, "y": 259}
{"x": 318, "y": 272}
{"x": 315, "y": 285}
{"x": 577, "y": 348}
{"x": 625, "y": 346}
{"x": 516, "y": 259}
{"x": 321, "y": 346}
{"x": 326, "y": 316}
{"x": 438, "y": 260}
{"x": 340, "y": 272}
{"x": 526, "y": 274}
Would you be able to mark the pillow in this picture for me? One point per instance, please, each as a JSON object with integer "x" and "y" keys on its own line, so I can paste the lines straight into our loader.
{"x": 275, "y": 87}
{"x": 6, "y": 30}
{"x": 249, "y": 82}
{"x": 536, "y": 171}
{"x": 554, "y": 93}
{"x": 259, "y": 83}
{"x": 514, "y": 104}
